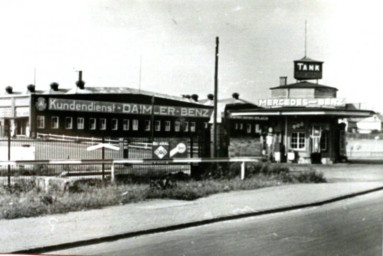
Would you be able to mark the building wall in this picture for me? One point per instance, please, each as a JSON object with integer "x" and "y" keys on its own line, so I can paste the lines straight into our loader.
{"x": 279, "y": 93}
{"x": 301, "y": 93}
{"x": 325, "y": 93}
{"x": 172, "y": 119}
{"x": 246, "y": 136}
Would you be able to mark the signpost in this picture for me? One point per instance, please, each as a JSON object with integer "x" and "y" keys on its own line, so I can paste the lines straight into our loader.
{"x": 103, "y": 146}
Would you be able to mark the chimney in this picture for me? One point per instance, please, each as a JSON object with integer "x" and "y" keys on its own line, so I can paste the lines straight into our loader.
{"x": 31, "y": 88}
{"x": 195, "y": 97}
{"x": 54, "y": 86}
{"x": 9, "y": 89}
{"x": 282, "y": 80}
{"x": 80, "y": 84}
{"x": 235, "y": 95}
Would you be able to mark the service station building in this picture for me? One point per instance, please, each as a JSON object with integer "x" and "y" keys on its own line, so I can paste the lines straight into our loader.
{"x": 301, "y": 122}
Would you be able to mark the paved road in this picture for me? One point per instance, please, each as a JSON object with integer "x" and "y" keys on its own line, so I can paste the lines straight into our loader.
{"x": 349, "y": 227}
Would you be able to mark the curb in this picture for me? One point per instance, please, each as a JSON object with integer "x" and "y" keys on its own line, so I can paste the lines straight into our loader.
{"x": 111, "y": 238}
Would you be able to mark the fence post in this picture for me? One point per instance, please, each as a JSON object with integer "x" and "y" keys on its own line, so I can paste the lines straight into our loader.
{"x": 103, "y": 157}
{"x": 243, "y": 167}
{"x": 9, "y": 152}
{"x": 112, "y": 173}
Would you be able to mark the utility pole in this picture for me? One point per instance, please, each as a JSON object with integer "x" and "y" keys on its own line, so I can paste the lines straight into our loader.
{"x": 216, "y": 95}
{"x": 152, "y": 122}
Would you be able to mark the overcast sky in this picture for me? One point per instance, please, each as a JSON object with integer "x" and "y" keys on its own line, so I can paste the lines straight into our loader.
{"x": 175, "y": 40}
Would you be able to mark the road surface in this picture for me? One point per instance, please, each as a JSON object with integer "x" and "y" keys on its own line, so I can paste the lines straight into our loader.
{"x": 349, "y": 227}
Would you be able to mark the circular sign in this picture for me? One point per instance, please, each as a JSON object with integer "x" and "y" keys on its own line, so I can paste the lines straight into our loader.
{"x": 41, "y": 104}
{"x": 181, "y": 148}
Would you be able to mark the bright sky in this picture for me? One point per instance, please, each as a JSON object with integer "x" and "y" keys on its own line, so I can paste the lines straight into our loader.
{"x": 259, "y": 40}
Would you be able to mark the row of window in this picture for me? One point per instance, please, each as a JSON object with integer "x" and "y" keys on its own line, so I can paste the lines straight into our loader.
{"x": 249, "y": 127}
{"x": 298, "y": 140}
{"x": 127, "y": 124}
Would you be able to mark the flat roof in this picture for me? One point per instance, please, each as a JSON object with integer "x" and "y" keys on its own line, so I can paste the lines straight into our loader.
{"x": 339, "y": 112}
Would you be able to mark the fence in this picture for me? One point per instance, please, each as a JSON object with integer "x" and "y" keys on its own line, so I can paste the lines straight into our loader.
{"x": 120, "y": 163}
{"x": 60, "y": 147}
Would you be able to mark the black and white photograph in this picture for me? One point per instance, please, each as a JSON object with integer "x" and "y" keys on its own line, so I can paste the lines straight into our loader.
{"x": 191, "y": 127}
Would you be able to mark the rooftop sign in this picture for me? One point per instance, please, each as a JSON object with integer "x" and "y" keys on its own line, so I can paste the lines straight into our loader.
{"x": 58, "y": 104}
{"x": 307, "y": 70}
{"x": 302, "y": 102}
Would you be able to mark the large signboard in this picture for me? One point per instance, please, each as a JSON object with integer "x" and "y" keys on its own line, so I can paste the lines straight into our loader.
{"x": 302, "y": 102}
{"x": 58, "y": 104}
{"x": 304, "y": 70}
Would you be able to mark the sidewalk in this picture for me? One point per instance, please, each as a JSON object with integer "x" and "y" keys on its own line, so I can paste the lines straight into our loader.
{"x": 64, "y": 229}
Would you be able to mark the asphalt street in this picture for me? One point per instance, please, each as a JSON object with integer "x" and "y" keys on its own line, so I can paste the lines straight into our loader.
{"x": 348, "y": 227}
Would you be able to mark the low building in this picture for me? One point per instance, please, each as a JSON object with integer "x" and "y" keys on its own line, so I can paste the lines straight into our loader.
{"x": 303, "y": 118}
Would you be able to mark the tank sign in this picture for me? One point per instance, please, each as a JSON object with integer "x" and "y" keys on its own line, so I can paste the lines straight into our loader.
{"x": 308, "y": 70}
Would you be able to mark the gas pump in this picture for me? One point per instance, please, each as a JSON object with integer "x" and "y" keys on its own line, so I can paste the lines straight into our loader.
{"x": 315, "y": 144}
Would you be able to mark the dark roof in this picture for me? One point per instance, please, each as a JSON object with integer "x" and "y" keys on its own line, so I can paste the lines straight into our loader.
{"x": 127, "y": 90}
{"x": 228, "y": 101}
{"x": 309, "y": 60}
{"x": 304, "y": 84}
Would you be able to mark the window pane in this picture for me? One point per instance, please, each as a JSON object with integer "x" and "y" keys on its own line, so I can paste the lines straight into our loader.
{"x": 68, "y": 123}
{"x": 55, "y": 122}
{"x": 248, "y": 128}
{"x": 192, "y": 126}
{"x": 135, "y": 125}
{"x": 102, "y": 123}
{"x": 167, "y": 126}
{"x": 125, "y": 124}
{"x": 186, "y": 126}
{"x": 80, "y": 123}
{"x": 40, "y": 120}
{"x": 177, "y": 126}
{"x": 147, "y": 125}
{"x": 158, "y": 126}
{"x": 301, "y": 140}
{"x": 92, "y": 123}
{"x": 114, "y": 124}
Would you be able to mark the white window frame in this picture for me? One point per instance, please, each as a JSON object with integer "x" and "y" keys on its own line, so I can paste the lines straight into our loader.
{"x": 92, "y": 123}
{"x": 55, "y": 122}
{"x": 68, "y": 123}
{"x": 114, "y": 124}
{"x": 186, "y": 126}
{"x": 135, "y": 125}
{"x": 177, "y": 126}
{"x": 147, "y": 125}
{"x": 297, "y": 144}
{"x": 157, "y": 125}
{"x": 257, "y": 129}
{"x": 168, "y": 126}
{"x": 80, "y": 123}
{"x": 102, "y": 124}
{"x": 192, "y": 127}
{"x": 241, "y": 126}
{"x": 125, "y": 124}
{"x": 248, "y": 128}
{"x": 40, "y": 122}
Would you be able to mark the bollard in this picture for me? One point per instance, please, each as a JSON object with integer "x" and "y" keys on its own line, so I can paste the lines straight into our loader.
{"x": 243, "y": 170}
